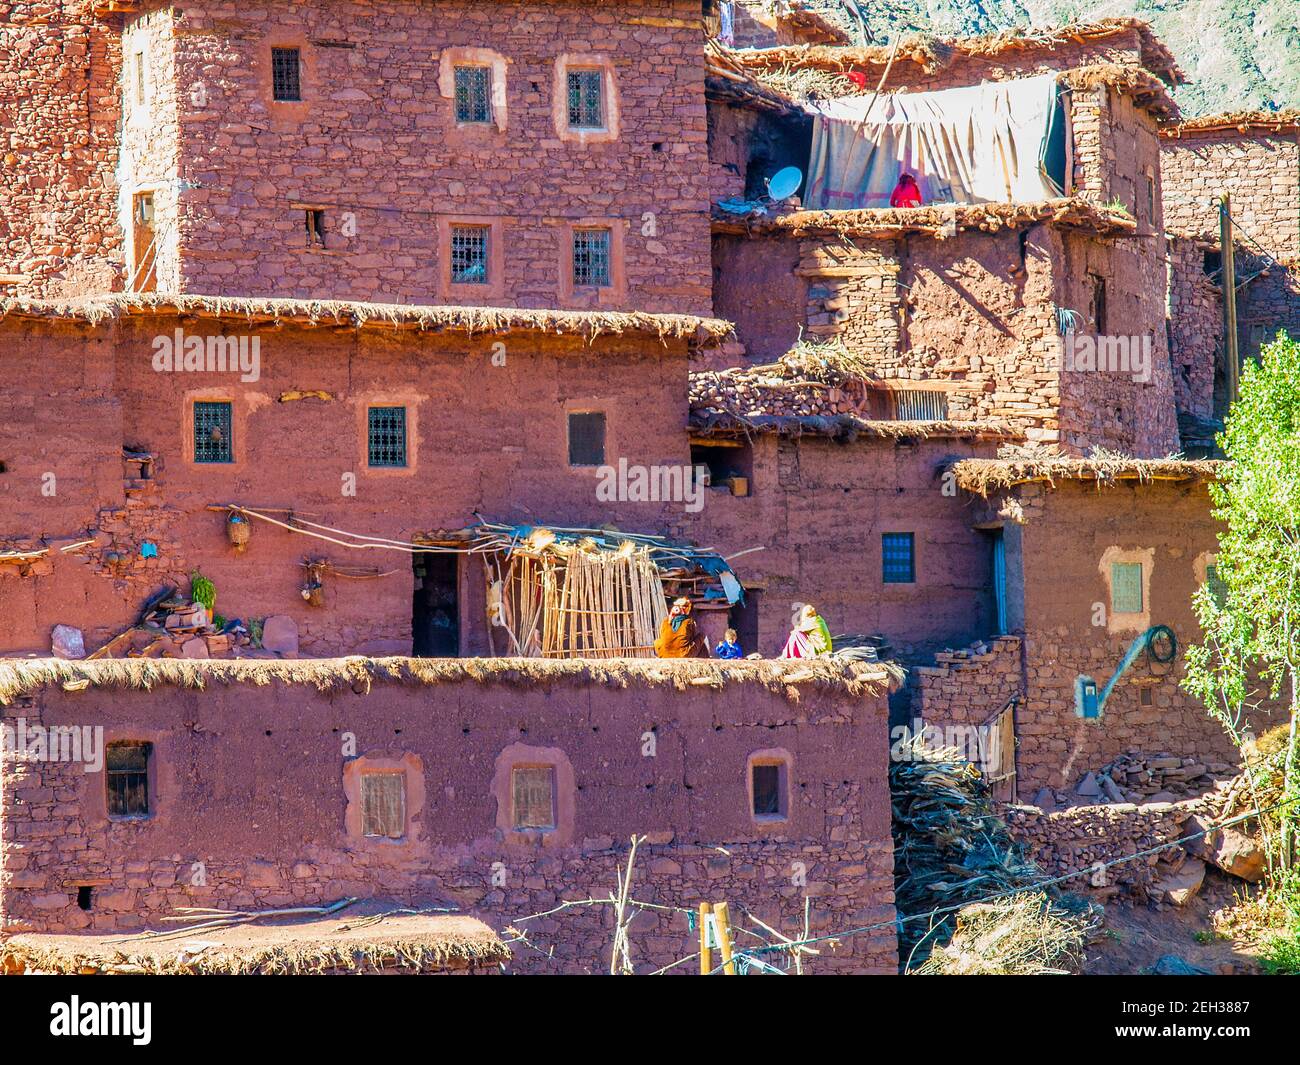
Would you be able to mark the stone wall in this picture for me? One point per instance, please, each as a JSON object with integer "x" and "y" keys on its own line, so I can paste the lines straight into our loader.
{"x": 59, "y": 112}
{"x": 970, "y": 685}
{"x": 1195, "y": 327}
{"x": 1260, "y": 170}
{"x": 375, "y": 145}
{"x": 253, "y": 793}
{"x": 1083, "y": 837}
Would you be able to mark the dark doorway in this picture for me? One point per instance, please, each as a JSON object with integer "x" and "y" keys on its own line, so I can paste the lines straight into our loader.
{"x": 743, "y": 618}
{"x": 435, "y": 615}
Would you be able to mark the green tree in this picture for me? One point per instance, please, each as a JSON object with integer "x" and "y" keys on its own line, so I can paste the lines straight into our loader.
{"x": 1251, "y": 615}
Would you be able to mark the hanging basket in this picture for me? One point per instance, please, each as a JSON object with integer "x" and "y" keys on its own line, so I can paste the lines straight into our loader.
{"x": 238, "y": 531}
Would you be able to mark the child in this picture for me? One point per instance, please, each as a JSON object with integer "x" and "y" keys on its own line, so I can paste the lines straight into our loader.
{"x": 729, "y": 647}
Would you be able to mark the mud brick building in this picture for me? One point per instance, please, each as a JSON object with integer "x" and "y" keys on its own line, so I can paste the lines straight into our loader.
{"x": 1254, "y": 158}
{"x": 454, "y": 747}
{"x": 483, "y": 254}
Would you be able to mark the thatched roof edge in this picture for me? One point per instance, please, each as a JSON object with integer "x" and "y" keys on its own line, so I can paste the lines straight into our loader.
{"x": 1283, "y": 121}
{"x": 932, "y": 54}
{"x": 844, "y": 428}
{"x": 1072, "y": 212}
{"x": 357, "y": 314}
{"x": 27, "y": 676}
{"x": 983, "y": 477}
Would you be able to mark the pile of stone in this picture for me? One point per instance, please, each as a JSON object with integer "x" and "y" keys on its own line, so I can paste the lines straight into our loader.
{"x": 1140, "y": 778}
{"x": 810, "y": 380}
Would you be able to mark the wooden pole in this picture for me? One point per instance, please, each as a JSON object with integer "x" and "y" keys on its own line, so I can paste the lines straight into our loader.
{"x": 1228, "y": 277}
{"x": 724, "y": 939}
{"x": 706, "y": 952}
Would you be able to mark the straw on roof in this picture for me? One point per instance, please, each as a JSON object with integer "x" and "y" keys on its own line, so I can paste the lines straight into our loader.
{"x": 932, "y": 54}
{"x": 985, "y": 476}
{"x": 1283, "y": 121}
{"x": 348, "y": 943}
{"x": 1145, "y": 89}
{"x": 437, "y": 319}
{"x": 936, "y": 220}
{"x": 844, "y": 428}
{"x": 789, "y": 678}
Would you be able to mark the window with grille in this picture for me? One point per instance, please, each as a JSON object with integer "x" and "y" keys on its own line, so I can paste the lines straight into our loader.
{"x": 469, "y": 255}
{"x": 586, "y": 99}
{"x": 286, "y": 74}
{"x": 212, "y": 433}
{"x": 473, "y": 94}
{"x": 387, "y": 436}
{"x": 127, "y": 773}
{"x": 1126, "y": 587}
{"x": 917, "y": 405}
{"x": 587, "y": 439}
{"x": 383, "y": 805}
{"x": 591, "y": 257}
{"x": 534, "y": 796}
{"x": 898, "y": 554}
{"x": 766, "y": 781}
{"x": 1218, "y": 587}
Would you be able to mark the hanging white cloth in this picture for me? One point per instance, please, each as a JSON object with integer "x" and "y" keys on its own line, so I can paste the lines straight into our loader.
{"x": 975, "y": 144}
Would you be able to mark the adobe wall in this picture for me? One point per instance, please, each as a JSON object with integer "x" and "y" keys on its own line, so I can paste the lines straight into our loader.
{"x": 1069, "y": 537}
{"x": 482, "y": 438}
{"x": 1195, "y": 327}
{"x": 817, "y": 509}
{"x": 59, "y": 110}
{"x": 1125, "y": 402}
{"x": 758, "y": 288}
{"x": 375, "y": 145}
{"x": 251, "y": 783}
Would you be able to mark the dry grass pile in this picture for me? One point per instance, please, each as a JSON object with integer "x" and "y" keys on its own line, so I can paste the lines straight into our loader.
{"x": 951, "y": 850}
{"x": 1027, "y": 934}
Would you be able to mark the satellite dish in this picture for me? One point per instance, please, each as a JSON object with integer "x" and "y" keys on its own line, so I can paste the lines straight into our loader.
{"x": 784, "y": 183}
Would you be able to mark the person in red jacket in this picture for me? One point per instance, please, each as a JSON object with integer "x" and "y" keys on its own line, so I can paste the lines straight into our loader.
{"x": 906, "y": 193}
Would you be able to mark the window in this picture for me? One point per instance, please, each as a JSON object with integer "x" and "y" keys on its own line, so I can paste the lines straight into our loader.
{"x": 586, "y": 99}
{"x": 767, "y": 790}
{"x": 591, "y": 258}
{"x": 1126, "y": 587}
{"x": 286, "y": 74}
{"x": 383, "y": 805}
{"x": 386, "y": 445}
{"x": 587, "y": 438}
{"x": 127, "y": 774}
{"x": 1218, "y": 587}
{"x": 1151, "y": 199}
{"x": 212, "y": 435}
{"x": 916, "y": 405}
{"x": 533, "y": 788}
{"x": 314, "y": 220}
{"x": 139, "y": 77}
{"x": 724, "y": 464}
{"x": 469, "y": 255}
{"x": 1098, "y": 303}
{"x": 898, "y": 558}
{"x": 473, "y": 94}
